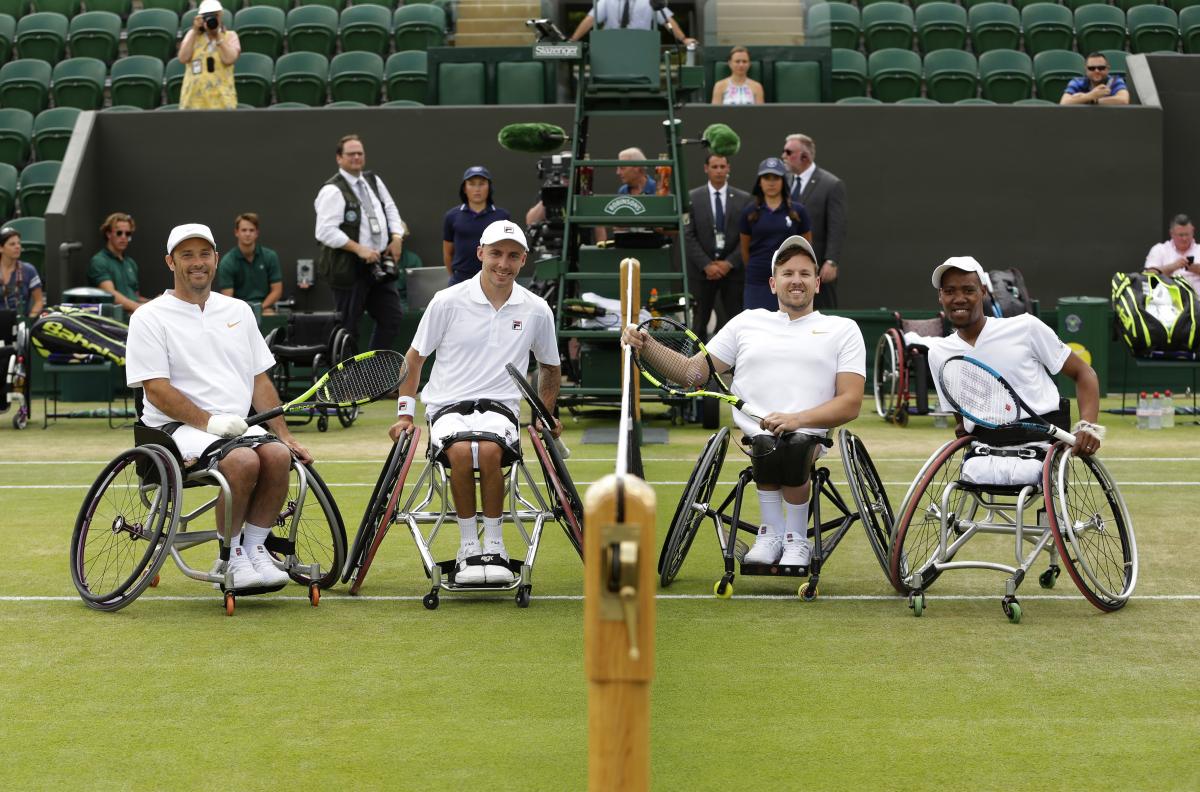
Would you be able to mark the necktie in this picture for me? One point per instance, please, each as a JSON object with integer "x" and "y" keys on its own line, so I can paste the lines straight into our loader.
{"x": 719, "y": 213}
{"x": 368, "y": 208}
{"x": 625, "y": 12}
{"x": 796, "y": 189}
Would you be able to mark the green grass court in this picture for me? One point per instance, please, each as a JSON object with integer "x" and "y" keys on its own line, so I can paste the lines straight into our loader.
{"x": 761, "y": 692}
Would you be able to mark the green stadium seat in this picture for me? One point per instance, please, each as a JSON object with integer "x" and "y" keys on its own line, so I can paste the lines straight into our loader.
{"x": 1189, "y": 30}
{"x": 336, "y": 5}
{"x": 1047, "y": 26}
{"x": 301, "y": 77}
{"x": 1128, "y": 4}
{"x": 418, "y": 27}
{"x": 859, "y": 100}
{"x": 994, "y": 26}
{"x": 35, "y": 186}
{"x": 1075, "y": 5}
{"x": 356, "y": 77}
{"x": 16, "y": 135}
{"x": 1021, "y": 5}
{"x": 347, "y": 103}
{"x": 797, "y": 81}
{"x": 95, "y": 34}
{"x": 288, "y": 106}
{"x": 254, "y": 75}
{"x": 8, "y": 32}
{"x": 261, "y": 29}
{"x": 25, "y": 83}
{"x": 8, "y": 190}
{"x": 1116, "y": 61}
{"x": 1099, "y": 27}
{"x": 895, "y": 74}
{"x": 918, "y": 100}
{"x": 976, "y": 101}
{"x": 172, "y": 106}
{"x": 969, "y": 4}
{"x": 42, "y": 36}
{"x": 178, "y": 6}
{"x": 312, "y": 28}
{"x": 33, "y": 239}
{"x": 462, "y": 84}
{"x": 173, "y": 79}
{"x": 52, "y": 131}
{"x": 67, "y": 8}
{"x": 951, "y": 75}
{"x": 122, "y": 8}
{"x": 1005, "y": 76}
{"x": 153, "y": 32}
{"x": 121, "y": 108}
{"x": 941, "y": 25}
{"x": 1036, "y": 103}
{"x": 520, "y": 83}
{"x": 887, "y": 25}
{"x": 1179, "y": 5}
{"x": 1053, "y": 69}
{"x": 402, "y": 103}
{"x": 365, "y": 28}
{"x": 849, "y": 74}
{"x": 390, "y": 5}
{"x": 14, "y": 8}
{"x": 282, "y": 5}
{"x": 837, "y": 25}
{"x": 863, "y": 3}
{"x": 1153, "y": 29}
{"x": 137, "y": 80}
{"x": 79, "y": 83}
{"x": 407, "y": 76}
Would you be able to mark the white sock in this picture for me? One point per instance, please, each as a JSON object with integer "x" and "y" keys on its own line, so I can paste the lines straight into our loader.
{"x": 235, "y": 541}
{"x": 466, "y": 527}
{"x": 254, "y": 535}
{"x": 797, "y": 519}
{"x": 770, "y": 503}
{"x": 493, "y": 529}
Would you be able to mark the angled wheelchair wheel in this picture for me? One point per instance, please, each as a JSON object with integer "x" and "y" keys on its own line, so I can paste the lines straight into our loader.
{"x": 918, "y": 524}
{"x": 1091, "y": 526}
{"x": 696, "y": 493}
{"x": 343, "y": 347}
{"x": 870, "y": 496}
{"x": 568, "y": 507}
{"x": 320, "y": 534}
{"x": 124, "y": 527}
{"x": 886, "y": 372}
{"x": 382, "y": 509}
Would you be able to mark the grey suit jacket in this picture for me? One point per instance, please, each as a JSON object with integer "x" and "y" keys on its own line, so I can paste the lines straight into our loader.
{"x": 699, "y": 238}
{"x": 824, "y": 199}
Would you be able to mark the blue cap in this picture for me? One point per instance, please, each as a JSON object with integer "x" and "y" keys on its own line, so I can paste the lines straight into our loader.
{"x": 477, "y": 170}
{"x": 772, "y": 165}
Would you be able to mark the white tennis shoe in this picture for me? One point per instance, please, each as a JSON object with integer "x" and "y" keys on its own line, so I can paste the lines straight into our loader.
{"x": 796, "y": 550}
{"x": 496, "y": 574}
{"x": 260, "y": 559}
{"x": 469, "y": 574}
{"x": 242, "y": 571}
{"x": 767, "y": 548}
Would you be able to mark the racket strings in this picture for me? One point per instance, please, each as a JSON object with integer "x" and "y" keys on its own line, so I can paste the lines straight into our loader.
{"x": 979, "y": 393}
{"x": 364, "y": 378}
{"x": 668, "y": 359}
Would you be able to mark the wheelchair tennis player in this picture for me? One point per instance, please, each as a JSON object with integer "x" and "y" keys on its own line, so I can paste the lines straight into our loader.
{"x": 472, "y": 405}
{"x": 807, "y": 370}
{"x": 201, "y": 363}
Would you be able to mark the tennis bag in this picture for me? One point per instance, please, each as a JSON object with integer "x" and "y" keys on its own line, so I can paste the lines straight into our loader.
{"x": 1009, "y": 294}
{"x": 1155, "y": 313}
{"x": 77, "y": 334}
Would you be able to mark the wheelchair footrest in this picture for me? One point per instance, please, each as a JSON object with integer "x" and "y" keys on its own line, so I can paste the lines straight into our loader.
{"x": 252, "y": 590}
{"x": 449, "y": 568}
{"x": 279, "y": 545}
{"x": 774, "y": 570}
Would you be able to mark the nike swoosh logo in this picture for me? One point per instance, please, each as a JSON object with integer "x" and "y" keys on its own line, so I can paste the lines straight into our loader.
{"x": 233, "y": 324}
{"x": 820, "y": 332}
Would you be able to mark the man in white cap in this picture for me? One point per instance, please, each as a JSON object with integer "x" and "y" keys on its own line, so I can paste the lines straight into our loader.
{"x": 477, "y": 326}
{"x": 807, "y": 370}
{"x": 208, "y": 51}
{"x": 202, "y": 364}
{"x": 1027, "y": 353}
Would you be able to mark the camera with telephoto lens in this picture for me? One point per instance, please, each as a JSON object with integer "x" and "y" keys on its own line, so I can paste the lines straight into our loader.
{"x": 212, "y": 21}
{"x": 384, "y": 270}
{"x": 554, "y": 173}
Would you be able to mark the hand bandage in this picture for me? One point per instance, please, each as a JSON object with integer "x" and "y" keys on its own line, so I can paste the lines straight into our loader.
{"x": 226, "y": 425}
{"x": 1095, "y": 430}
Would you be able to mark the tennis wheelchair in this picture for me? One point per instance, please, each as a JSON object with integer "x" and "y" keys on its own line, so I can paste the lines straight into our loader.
{"x": 305, "y": 348}
{"x": 1074, "y": 514}
{"x": 135, "y": 516}
{"x": 429, "y": 506}
{"x": 901, "y": 380}
{"x": 871, "y": 507}
{"x": 14, "y": 365}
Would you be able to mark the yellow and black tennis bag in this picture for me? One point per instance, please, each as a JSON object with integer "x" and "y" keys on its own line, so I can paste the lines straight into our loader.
{"x": 1155, "y": 313}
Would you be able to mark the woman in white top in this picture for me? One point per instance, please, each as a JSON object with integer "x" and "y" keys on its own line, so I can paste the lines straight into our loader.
{"x": 738, "y": 88}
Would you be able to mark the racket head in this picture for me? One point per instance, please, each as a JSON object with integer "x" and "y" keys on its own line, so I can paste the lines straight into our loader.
{"x": 982, "y": 395}
{"x": 667, "y": 360}
{"x": 536, "y": 407}
{"x": 359, "y": 380}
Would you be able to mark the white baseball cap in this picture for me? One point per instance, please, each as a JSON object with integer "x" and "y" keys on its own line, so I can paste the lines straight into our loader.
{"x": 964, "y": 263}
{"x": 210, "y": 7}
{"x": 182, "y": 233}
{"x": 503, "y": 229}
{"x": 794, "y": 242}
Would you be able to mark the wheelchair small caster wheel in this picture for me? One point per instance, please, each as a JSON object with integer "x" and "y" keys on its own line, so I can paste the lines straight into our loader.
{"x": 901, "y": 417}
{"x": 430, "y": 601}
{"x": 154, "y": 583}
{"x": 523, "y": 597}
{"x": 1012, "y": 609}
{"x": 229, "y": 603}
{"x": 314, "y": 594}
{"x": 1046, "y": 579}
{"x": 20, "y": 421}
{"x": 723, "y": 589}
{"x": 807, "y": 591}
{"x": 916, "y": 601}
{"x": 323, "y": 424}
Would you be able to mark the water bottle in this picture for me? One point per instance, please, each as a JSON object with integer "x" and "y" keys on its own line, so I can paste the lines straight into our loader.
{"x": 1168, "y": 408}
{"x": 1155, "y": 419}
{"x": 1143, "y": 411}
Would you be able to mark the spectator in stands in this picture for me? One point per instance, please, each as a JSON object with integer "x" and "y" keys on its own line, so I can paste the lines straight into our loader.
{"x": 20, "y": 284}
{"x": 634, "y": 179}
{"x": 1179, "y": 254}
{"x": 738, "y": 88}
{"x": 360, "y": 233}
{"x": 765, "y": 223}
{"x": 633, "y": 14}
{"x": 823, "y": 196}
{"x": 250, "y": 271}
{"x": 715, "y": 269}
{"x": 208, "y": 51}
{"x": 1097, "y": 86}
{"x": 464, "y": 223}
{"x": 112, "y": 270}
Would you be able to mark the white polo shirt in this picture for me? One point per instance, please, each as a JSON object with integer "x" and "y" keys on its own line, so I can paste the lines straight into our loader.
{"x": 787, "y": 365}
{"x": 1021, "y": 348}
{"x": 211, "y": 355}
{"x": 474, "y": 341}
{"x": 1165, "y": 253}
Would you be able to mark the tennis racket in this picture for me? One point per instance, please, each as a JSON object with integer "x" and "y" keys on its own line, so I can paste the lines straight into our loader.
{"x": 358, "y": 380}
{"x": 666, "y": 361}
{"x": 540, "y": 413}
{"x": 980, "y": 394}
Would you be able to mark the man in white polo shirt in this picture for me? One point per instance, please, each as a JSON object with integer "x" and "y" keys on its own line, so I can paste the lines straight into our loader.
{"x": 202, "y": 363}
{"x": 808, "y": 370}
{"x": 1027, "y": 354}
{"x": 477, "y": 326}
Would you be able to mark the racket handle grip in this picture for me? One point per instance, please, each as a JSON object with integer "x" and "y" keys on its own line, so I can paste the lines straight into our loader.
{"x": 562, "y": 448}
{"x": 263, "y": 417}
{"x": 751, "y": 410}
{"x": 1059, "y": 434}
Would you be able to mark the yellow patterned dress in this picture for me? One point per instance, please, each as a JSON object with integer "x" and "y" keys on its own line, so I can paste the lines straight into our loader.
{"x": 207, "y": 80}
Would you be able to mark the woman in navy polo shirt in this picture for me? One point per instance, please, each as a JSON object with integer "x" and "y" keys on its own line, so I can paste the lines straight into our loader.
{"x": 464, "y": 224}
{"x": 766, "y": 222}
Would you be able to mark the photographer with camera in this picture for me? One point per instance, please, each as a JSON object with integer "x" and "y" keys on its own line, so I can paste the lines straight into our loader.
{"x": 208, "y": 52}
{"x": 631, "y": 14}
{"x": 361, "y": 238}
{"x": 1177, "y": 256}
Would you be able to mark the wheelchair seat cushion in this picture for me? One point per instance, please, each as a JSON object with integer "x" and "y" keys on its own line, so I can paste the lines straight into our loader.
{"x": 1004, "y": 467}
{"x": 193, "y": 448}
{"x": 299, "y": 353}
{"x": 785, "y": 460}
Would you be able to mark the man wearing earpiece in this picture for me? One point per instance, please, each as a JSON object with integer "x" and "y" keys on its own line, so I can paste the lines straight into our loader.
{"x": 632, "y": 15}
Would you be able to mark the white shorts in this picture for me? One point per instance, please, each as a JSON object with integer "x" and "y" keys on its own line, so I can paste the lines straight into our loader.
{"x": 1002, "y": 471}
{"x": 453, "y": 423}
{"x": 192, "y": 442}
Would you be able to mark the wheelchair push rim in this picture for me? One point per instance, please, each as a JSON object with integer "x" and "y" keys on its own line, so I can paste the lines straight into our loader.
{"x": 886, "y": 374}
{"x": 568, "y": 507}
{"x": 687, "y": 519}
{"x": 870, "y": 497}
{"x": 388, "y": 498}
{"x": 321, "y": 539}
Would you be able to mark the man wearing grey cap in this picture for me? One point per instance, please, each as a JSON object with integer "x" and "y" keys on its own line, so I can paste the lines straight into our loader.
{"x": 202, "y": 365}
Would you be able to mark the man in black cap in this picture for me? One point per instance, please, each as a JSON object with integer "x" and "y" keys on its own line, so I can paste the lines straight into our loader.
{"x": 463, "y": 224}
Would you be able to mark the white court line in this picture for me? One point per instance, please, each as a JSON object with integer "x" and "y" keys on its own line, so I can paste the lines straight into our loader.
{"x": 324, "y": 462}
{"x": 579, "y": 597}
{"x": 369, "y": 484}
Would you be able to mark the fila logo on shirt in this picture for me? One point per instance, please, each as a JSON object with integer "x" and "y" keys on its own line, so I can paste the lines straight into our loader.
{"x": 518, "y": 324}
